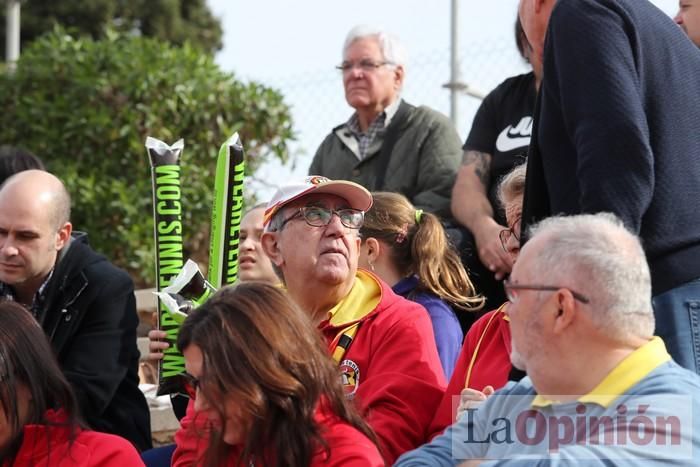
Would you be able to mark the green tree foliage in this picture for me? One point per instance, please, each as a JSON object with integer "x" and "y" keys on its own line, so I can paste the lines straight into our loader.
{"x": 175, "y": 21}
{"x": 85, "y": 107}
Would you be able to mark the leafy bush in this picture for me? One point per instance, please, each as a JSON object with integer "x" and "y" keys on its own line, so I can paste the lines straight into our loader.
{"x": 175, "y": 21}
{"x": 85, "y": 107}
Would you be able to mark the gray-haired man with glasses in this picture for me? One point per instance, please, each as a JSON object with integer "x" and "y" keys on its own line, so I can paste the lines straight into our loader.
{"x": 600, "y": 389}
{"x": 388, "y": 144}
{"x": 383, "y": 344}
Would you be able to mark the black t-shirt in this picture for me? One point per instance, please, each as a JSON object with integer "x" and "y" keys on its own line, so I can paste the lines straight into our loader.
{"x": 502, "y": 128}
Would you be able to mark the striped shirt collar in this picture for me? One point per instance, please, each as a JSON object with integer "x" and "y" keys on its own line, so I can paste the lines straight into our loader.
{"x": 376, "y": 128}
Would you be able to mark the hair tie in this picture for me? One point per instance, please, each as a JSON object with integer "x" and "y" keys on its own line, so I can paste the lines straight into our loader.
{"x": 419, "y": 214}
{"x": 401, "y": 236}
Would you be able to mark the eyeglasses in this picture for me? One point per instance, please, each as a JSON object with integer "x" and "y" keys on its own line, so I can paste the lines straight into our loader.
{"x": 366, "y": 65}
{"x": 505, "y": 234}
{"x": 317, "y": 216}
{"x": 510, "y": 289}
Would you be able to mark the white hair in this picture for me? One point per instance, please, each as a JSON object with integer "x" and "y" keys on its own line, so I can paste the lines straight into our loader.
{"x": 602, "y": 260}
{"x": 512, "y": 185}
{"x": 391, "y": 47}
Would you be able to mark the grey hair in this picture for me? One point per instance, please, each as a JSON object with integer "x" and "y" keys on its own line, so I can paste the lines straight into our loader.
{"x": 605, "y": 262}
{"x": 276, "y": 222}
{"x": 274, "y": 226}
{"x": 391, "y": 47}
{"x": 512, "y": 185}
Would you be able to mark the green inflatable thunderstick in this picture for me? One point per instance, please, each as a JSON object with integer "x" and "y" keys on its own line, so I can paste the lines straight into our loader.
{"x": 226, "y": 213}
{"x": 167, "y": 217}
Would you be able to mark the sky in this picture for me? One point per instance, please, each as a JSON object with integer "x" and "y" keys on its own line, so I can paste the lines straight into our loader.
{"x": 293, "y": 47}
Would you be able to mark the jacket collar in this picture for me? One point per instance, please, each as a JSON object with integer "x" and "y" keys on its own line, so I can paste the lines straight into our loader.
{"x": 41, "y": 440}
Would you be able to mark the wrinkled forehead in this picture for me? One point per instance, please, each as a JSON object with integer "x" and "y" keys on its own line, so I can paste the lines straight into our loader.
{"x": 319, "y": 199}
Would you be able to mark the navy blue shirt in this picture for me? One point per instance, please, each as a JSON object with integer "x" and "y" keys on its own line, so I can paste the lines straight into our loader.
{"x": 448, "y": 332}
{"x": 617, "y": 129}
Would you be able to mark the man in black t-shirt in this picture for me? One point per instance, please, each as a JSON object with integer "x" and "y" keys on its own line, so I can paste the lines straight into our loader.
{"x": 501, "y": 130}
{"x": 498, "y": 141}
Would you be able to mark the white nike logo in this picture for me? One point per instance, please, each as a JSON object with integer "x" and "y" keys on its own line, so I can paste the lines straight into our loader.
{"x": 515, "y": 137}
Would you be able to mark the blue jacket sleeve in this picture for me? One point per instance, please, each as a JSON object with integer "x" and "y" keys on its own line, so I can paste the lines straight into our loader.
{"x": 459, "y": 442}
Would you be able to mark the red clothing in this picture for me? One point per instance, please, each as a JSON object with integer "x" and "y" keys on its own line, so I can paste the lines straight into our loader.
{"x": 49, "y": 446}
{"x": 486, "y": 350}
{"x": 391, "y": 370}
{"x": 398, "y": 377}
{"x": 347, "y": 445}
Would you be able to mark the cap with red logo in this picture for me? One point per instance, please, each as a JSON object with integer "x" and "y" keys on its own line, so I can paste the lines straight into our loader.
{"x": 356, "y": 195}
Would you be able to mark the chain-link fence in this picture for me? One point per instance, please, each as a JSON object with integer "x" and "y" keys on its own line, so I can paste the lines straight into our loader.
{"x": 318, "y": 103}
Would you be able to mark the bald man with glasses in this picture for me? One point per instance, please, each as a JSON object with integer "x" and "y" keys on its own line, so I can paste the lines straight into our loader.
{"x": 600, "y": 386}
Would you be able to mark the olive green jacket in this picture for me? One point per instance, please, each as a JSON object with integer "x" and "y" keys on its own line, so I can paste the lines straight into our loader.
{"x": 422, "y": 166}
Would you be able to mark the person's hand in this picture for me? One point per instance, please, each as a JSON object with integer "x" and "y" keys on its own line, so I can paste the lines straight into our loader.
{"x": 471, "y": 398}
{"x": 473, "y": 463}
{"x": 157, "y": 344}
{"x": 491, "y": 252}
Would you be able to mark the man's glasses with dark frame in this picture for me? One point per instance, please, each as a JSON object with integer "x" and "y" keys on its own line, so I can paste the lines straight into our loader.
{"x": 505, "y": 234}
{"x": 317, "y": 216}
{"x": 509, "y": 287}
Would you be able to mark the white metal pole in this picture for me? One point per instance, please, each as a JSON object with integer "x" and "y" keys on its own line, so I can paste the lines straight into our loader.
{"x": 454, "y": 62}
{"x": 12, "y": 33}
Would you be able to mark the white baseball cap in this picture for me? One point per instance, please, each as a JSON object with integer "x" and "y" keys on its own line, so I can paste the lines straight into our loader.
{"x": 356, "y": 195}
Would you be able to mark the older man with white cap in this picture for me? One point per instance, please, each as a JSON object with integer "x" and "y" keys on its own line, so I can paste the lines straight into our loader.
{"x": 382, "y": 342}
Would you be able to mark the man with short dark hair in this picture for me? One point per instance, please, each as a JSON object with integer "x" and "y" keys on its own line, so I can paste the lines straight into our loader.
{"x": 85, "y": 305}
{"x": 615, "y": 130}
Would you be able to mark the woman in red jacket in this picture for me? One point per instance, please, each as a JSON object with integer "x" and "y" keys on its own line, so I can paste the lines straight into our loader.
{"x": 39, "y": 421}
{"x": 484, "y": 364}
{"x": 265, "y": 390}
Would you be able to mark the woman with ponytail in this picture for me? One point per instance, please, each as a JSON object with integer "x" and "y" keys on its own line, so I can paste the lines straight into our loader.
{"x": 484, "y": 362}
{"x": 409, "y": 250}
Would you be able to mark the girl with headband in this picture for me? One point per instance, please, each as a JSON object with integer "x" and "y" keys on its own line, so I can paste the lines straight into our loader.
{"x": 409, "y": 250}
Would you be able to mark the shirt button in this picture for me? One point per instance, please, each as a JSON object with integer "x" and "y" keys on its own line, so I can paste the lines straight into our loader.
{"x": 356, "y": 172}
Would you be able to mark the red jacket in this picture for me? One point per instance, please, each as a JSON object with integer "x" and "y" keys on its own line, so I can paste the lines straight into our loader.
{"x": 49, "y": 446}
{"x": 486, "y": 350}
{"x": 393, "y": 371}
{"x": 348, "y": 446}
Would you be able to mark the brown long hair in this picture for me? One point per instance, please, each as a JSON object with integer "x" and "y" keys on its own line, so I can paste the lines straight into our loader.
{"x": 26, "y": 358}
{"x": 419, "y": 245}
{"x": 263, "y": 352}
